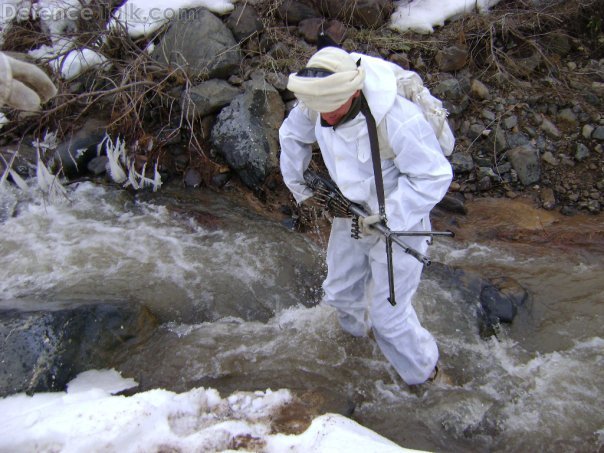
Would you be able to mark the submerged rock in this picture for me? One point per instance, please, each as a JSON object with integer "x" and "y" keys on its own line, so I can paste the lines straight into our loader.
{"x": 44, "y": 347}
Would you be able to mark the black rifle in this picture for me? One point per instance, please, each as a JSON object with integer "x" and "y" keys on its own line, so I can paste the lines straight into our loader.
{"x": 327, "y": 193}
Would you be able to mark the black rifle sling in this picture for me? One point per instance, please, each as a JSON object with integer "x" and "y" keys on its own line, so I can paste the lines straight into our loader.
{"x": 379, "y": 187}
{"x": 375, "y": 156}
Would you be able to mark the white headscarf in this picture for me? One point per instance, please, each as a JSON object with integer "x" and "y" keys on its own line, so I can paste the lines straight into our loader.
{"x": 326, "y": 94}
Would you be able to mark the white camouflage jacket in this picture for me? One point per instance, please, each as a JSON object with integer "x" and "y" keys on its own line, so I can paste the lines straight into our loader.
{"x": 414, "y": 180}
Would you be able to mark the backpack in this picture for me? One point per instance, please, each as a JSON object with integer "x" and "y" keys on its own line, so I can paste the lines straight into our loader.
{"x": 410, "y": 86}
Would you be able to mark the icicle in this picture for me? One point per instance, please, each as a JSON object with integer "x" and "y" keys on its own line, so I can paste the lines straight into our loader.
{"x": 156, "y": 179}
{"x": 47, "y": 182}
{"x": 8, "y": 166}
{"x": 18, "y": 180}
{"x": 113, "y": 154}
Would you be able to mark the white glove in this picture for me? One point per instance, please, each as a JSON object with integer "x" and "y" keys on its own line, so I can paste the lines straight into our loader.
{"x": 366, "y": 222}
{"x": 23, "y": 85}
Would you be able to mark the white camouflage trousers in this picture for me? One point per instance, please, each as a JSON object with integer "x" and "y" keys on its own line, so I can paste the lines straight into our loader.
{"x": 357, "y": 284}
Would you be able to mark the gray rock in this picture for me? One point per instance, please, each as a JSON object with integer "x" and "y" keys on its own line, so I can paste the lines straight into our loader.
{"x": 462, "y": 163}
{"x": 548, "y": 199}
{"x": 568, "y": 117}
{"x": 452, "y": 204}
{"x": 359, "y": 13}
{"x": 504, "y": 168}
{"x": 309, "y": 29}
{"x": 475, "y": 130}
{"x": 582, "y": 152}
{"x": 587, "y": 131}
{"x": 44, "y": 347}
{"x": 98, "y": 165}
{"x": 479, "y": 90}
{"x": 510, "y": 121}
{"x": 497, "y": 140}
{"x": 73, "y": 154}
{"x": 244, "y": 22}
{"x": 207, "y": 97}
{"x": 517, "y": 139}
{"x": 203, "y": 46}
{"x": 295, "y": 11}
{"x": 488, "y": 115}
{"x": 449, "y": 89}
{"x": 525, "y": 161}
{"x": 193, "y": 178}
{"x": 549, "y": 158}
{"x": 452, "y": 58}
{"x": 598, "y": 134}
{"x": 485, "y": 183}
{"x": 246, "y": 132}
{"x": 557, "y": 42}
{"x": 497, "y": 307}
{"x": 550, "y": 128}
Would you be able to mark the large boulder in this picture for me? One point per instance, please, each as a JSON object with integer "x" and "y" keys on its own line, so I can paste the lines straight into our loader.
{"x": 44, "y": 347}
{"x": 201, "y": 44}
{"x": 246, "y": 132}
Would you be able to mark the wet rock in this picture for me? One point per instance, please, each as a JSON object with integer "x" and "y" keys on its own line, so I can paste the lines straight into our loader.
{"x": 193, "y": 178}
{"x": 497, "y": 307}
{"x": 24, "y": 162}
{"x": 452, "y": 204}
{"x": 44, "y": 347}
{"x": 98, "y": 165}
{"x": 495, "y": 300}
{"x": 73, "y": 154}
{"x": 202, "y": 46}
{"x": 525, "y": 161}
{"x": 221, "y": 179}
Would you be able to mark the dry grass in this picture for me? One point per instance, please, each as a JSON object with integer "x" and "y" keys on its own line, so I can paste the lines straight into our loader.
{"x": 143, "y": 96}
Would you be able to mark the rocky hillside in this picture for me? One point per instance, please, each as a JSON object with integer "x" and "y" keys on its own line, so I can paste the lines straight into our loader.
{"x": 204, "y": 98}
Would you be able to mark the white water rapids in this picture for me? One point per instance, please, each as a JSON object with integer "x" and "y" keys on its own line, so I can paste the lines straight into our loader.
{"x": 233, "y": 317}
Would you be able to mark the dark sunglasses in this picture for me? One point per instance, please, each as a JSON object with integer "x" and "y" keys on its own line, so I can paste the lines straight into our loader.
{"x": 314, "y": 72}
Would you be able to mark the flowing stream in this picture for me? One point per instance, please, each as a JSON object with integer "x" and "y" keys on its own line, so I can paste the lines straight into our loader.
{"x": 237, "y": 298}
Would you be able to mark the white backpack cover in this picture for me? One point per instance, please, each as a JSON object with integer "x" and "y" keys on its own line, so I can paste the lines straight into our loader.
{"x": 410, "y": 86}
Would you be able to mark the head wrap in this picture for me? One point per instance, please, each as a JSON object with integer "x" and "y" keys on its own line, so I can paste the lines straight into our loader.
{"x": 326, "y": 94}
